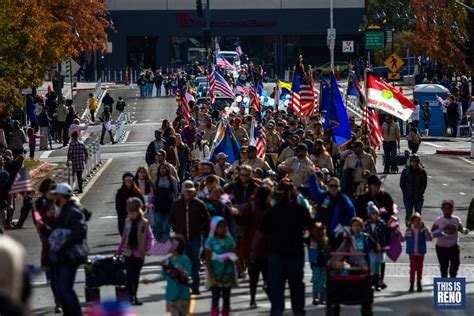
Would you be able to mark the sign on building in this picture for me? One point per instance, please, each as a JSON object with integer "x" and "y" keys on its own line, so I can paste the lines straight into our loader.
{"x": 347, "y": 46}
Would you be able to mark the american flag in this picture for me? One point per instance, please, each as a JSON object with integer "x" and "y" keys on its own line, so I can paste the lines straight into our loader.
{"x": 254, "y": 99}
{"x": 217, "y": 83}
{"x": 242, "y": 90}
{"x": 217, "y": 46}
{"x": 162, "y": 248}
{"x": 370, "y": 119}
{"x": 224, "y": 63}
{"x": 303, "y": 96}
{"x": 188, "y": 96}
{"x": 178, "y": 96}
{"x": 22, "y": 182}
{"x": 261, "y": 142}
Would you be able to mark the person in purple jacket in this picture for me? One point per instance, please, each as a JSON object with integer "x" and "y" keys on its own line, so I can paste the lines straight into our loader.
{"x": 189, "y": 133}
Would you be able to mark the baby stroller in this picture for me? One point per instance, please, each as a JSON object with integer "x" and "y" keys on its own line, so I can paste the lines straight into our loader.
{"x": 101, "y": 271}
{"x": 348, "y": 279}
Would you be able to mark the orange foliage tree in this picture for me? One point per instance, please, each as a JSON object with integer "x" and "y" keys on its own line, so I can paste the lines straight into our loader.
{"x": 37, "y": 34}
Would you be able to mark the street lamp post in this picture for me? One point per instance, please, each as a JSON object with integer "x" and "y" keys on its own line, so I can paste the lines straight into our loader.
{"x": 331, "y": 23}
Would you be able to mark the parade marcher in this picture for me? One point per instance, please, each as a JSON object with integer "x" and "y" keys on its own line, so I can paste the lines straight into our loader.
{"x": 222, "y": 167}
{"x": 61, "y": 112}
{"x": 336, "y": 209}
{"x": 17, "y": 139}
{"x": 158, "y": 81}
{"x": 255, "y": 162}
{"x": 161, "y": 159}
{"x": 184, "y": 155}
{"x": 107, "y": 100}
{"x": 239, "y": 132}
{"x": 356, "y": 164}
{"x": 106, "y": 119}
{"x": 249, "y": 219}
{"x": 286, "y": 250}
{"x": 378, "y": 233}
{"x": 176, "y": 270}
{"x": 221, "y": 265}
{"x": 446, "y": 229}
{"x": 289, "y": 150}
{"x": 298, "y": 168}
{"x": 217, "y": 206}
{"x": 189, "y": 133}
{"x": 77, "y": 154}
{"x": 171, "y": 152}
{"x": 416, "y": 236}
{"x": 66, "y": 255}
{"x": 190, "y": 218}
{"x": 136, "y": 242}
{"x": 243, "y": 187}
{"x": 413, "y": 138}
{"x": 391, "y": 142}
{"x": 413, "y": 182}
{"x": 70, "y": 117}
{"x": 165, "y": 192}
{"x": 154, "y": 146}
{"x": 381, "y": 199}
{"x": 92, "y": 106}
{"x": 321, "y": 157}
{"x": 274, "y": 140}
{"x": 143, "y": 181}
{"x": 200, "y": 148}
{"x": 208, "y": 129}
{"x": 5, "y": 197}
{"x": 318, "y": 256}
{"x": 128, "y": 190}
{"x": 240, "y": 161}
{"x": 44, "y": 123}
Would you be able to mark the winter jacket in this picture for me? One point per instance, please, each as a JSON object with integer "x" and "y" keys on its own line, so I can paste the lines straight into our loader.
{"x": 378, "y": 236}
{"x": 413, "y": 183}
{"x": 241, "y": 194}
{"x": 383, "y": 200}
{"x": 190, "y": 219}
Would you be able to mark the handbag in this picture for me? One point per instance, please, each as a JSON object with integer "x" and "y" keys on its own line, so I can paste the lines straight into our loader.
{"x": 108, "y": 125}
{"x": 394, "y": 247}
{"x": 78, "y": 253}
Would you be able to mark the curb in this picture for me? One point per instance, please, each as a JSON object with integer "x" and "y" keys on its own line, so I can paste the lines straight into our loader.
{"x": 453, "y": 152}
{"x": 37, "y": 170}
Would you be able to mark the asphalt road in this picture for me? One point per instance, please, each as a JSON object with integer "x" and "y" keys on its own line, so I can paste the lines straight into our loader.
{"x": 448, "y": 177}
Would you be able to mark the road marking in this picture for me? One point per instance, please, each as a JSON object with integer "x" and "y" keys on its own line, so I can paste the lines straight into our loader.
{"x": 444, "y": 184}
{"x": 434, "y": 145}
{"x": 146, "y": 121}
{"x": 134, "y": 123}
{"x": 467, "y": 160}
{"x": 90, "y": 184}
{"x": 462, "y": 193}
{"x": 430, "y": 177}
{"x": 45, "y": 154}
{"x": 108, "y": 217}
{"x": 134, "y": 108}
{"x": 125, "y": 137}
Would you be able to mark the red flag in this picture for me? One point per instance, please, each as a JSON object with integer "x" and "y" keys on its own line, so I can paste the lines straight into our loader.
{"x": 254, "y": 99}
{"x": 187, "y": 97}
{"x": 370, "y": 119}
{"x": 383, "y": 96}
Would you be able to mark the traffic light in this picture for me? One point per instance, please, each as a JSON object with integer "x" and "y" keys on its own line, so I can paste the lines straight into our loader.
{"x": 199, "y": 8}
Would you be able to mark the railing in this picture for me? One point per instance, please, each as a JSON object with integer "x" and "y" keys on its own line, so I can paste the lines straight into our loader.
{"x": 123, "y": 119}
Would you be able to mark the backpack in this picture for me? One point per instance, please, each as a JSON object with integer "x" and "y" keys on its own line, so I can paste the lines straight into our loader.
{"x": 120, "y": 105}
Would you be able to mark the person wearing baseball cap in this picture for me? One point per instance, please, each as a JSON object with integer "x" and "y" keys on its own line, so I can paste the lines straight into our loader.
{"x": 274, "y": 140}
{"x": 447, "y": 228}
{"x": 254, "y": 161}
{"x": 240, "y": 133}
{"x": 222, "y": 167}
{"x": 66, "y": 261}
{"x": 289, "y": 150}
{"x": 234, "y": 170}
{"x": 298, "y": 168}
{"x": 188, "y": 217}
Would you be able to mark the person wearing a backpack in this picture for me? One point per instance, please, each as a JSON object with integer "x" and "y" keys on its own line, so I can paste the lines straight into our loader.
{"x": 67, "y": 246}
{"x": 120, "y": 105}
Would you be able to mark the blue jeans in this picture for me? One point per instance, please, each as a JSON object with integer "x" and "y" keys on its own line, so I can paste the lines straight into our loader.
{"x": 409, "y": 206}
{"x": 142, "y": 91}
{"x": 390, "y": 155}
{"x": 281, "y": 269}
{"x": 161, "y": 228}
{"x": 319, "y": 281}
{"x": 158, "y": 91}
{"x": 193, "y": 251}
{"x": 64, "y": 277}
{"x": 149, "y": 89}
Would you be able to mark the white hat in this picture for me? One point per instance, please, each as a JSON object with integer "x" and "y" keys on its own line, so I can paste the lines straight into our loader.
{"x": 63, "y": 189}
{"x": 221, "y": 155}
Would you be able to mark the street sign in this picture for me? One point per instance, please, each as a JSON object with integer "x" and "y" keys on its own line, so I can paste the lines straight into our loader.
{"x": 394, "y": 63}
{"x": 347, "y": 46}
{"x": 374, "y": 39}
{"x": 65, "y": 68}
{"x": 393, "y": 76}
{"x": 331, "y": 34}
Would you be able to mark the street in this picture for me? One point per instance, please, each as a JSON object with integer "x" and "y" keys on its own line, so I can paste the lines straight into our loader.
{"x": 449, "y": 177}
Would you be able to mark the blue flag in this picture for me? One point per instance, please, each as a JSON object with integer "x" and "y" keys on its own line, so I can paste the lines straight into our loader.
{"x": 226, "y": 143}
{"x": 325, "y": 92}
{"x": 336, "y": 119}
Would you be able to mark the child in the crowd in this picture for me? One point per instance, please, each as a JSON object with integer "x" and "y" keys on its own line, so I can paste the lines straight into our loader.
{"x": 357, "y": 225}
{"x": 377, "y": 230}
{"x": 446, "y": 229}
{"x": 414, "y": 139}
{"x": 220, "y": 263}
{"x": 32, "y": 141}
{"x": 416, "y": 236}
{"x": 176, "y": 270}
{"x": 317, "y": 255}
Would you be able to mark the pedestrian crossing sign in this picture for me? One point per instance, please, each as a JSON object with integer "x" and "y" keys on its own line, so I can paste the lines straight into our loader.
{"x": 393, "y": 76}
{"x": 394, "y": 63}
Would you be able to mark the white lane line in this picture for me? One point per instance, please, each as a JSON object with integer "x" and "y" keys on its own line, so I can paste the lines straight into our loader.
{"x": 95, "y": 178}
{"x": 462, "y": 193}
{"x": 444, "y": 184}
{"x": 108, "y": 217}
{"x": 434, "y": 145}
{"x": 134, "y": 122}
{"x": 430, "y": 177}
{"x": 125, "y": 137}
{"x": 467, "y": 160}
{"x": 46, "y": 154}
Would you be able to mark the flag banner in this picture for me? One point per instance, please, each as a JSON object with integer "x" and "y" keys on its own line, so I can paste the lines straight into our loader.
{"x": 325, "y": 95}
{"x": 354, "y": 88}
{"x": 217, "y": 83}
{"x": 224, "y": 63}
{"x": 226, "y": 143}
{"x": 187, "y": 97}
{"x": 277, "y": 94}
{"x": 261, "y": 142}
{"x": 254, "y": 99}
{"x": 22, "y": 182}
{"x": 371, "y": 120}
{"x": 336, "y": 120}
{"x": 383, "y": 96}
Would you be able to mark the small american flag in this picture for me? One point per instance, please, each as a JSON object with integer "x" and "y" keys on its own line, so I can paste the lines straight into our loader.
{"x": 178, "y": 96}
{"x": 370, "y": 119}
{"x": 187, "y": 97}
{"x": 261, "y": 142}
{"x": 217, "y": 83}
{"x": 222, "y": 62}
{"x": 164, "y": 247}
{"x": 22, "y": 182}
{"x": 254, "y": 99}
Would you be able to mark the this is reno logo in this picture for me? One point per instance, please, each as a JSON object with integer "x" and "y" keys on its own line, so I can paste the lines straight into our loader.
{"x": 449, "y": 293}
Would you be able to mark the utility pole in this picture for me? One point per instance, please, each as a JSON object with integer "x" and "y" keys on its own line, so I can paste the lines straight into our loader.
{"x": 331, "y": 26}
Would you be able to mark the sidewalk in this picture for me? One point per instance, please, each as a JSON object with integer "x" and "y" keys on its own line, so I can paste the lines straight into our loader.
{"x": 81, "y": 86}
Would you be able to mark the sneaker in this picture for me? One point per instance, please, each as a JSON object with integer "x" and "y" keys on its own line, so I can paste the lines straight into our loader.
{"x": 316, "y": 301}
{"x": 419, "y": 288}
{"x": 411, "y": 287}
{"x": 58, "y": 310}
{"x": 253, "y": 304}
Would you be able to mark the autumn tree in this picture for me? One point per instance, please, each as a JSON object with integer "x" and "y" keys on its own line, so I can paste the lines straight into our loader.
{"x": 37, "y": 34}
